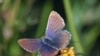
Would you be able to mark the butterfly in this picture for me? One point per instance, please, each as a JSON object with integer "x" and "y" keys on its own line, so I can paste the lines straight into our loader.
{"x": 54, "y": 40}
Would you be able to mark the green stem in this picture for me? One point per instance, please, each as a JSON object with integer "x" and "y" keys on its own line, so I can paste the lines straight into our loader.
{"x": 44, "y": 17}
{"x": 75, "y": 37}
{"x": 43, "y": 21}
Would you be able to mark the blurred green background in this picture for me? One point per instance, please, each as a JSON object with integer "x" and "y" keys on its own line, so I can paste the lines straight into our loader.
{"x": 28, "y": 19}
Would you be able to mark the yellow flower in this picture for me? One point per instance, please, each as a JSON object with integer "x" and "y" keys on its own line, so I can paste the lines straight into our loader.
{"x": 67, "y": 52}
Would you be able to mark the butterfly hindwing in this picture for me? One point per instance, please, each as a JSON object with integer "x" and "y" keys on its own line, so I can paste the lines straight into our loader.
{"x": 30, "y": 45}
{"x": 62, "y": 39}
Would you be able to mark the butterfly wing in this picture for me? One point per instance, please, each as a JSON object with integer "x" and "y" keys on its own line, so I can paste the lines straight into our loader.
{"x": 46, "y": 50}
{"x": 62, "y": 39}
{"x": 55, "y": 24}
{"x": 30, "y": 45}
{"x": 54, "y": 31}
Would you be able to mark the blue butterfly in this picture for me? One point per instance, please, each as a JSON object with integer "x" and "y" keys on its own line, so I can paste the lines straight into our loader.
{"x": 54, "y": 40}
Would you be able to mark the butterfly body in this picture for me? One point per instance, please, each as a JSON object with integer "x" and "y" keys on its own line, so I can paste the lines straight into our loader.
{"x": 50, "y": 43}
{"x": 54, "y": 40}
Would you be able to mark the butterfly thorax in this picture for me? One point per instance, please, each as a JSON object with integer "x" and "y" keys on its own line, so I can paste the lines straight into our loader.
{"x": 50, "y": 43}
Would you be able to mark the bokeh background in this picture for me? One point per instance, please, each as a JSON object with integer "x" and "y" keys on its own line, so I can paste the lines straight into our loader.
{"x": 28, "y": 19}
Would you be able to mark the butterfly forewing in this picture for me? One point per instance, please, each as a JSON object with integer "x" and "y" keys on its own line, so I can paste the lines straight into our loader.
{"x": 30, "y": 45}
{"x": 55, "y": 24}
